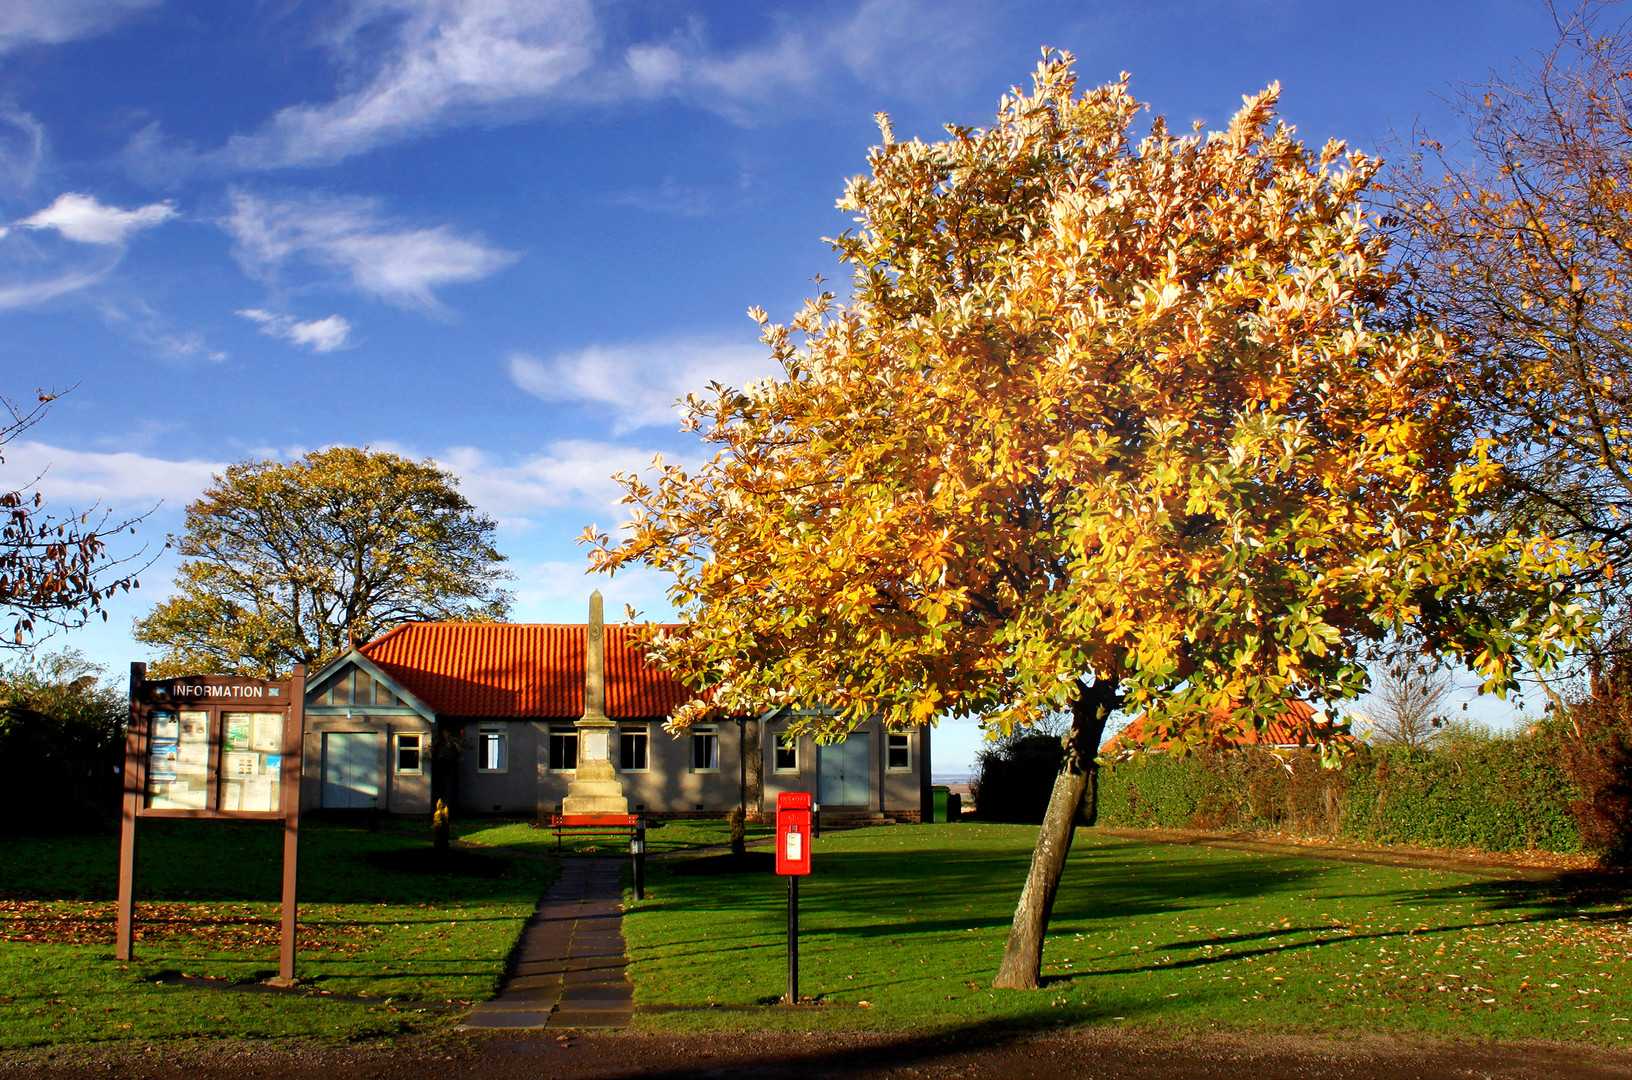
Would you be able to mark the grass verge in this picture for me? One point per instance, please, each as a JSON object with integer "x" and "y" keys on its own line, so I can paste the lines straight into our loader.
{"x": 379, "y": 918}
{"x": 903, "y": 928}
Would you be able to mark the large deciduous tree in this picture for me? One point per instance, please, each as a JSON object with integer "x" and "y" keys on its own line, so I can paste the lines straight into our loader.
{"x": 55, "y": 572}
{"x": 1518, "y": 242}
{"x": 288, "y": 563}
{"x": 1106, "y": 422}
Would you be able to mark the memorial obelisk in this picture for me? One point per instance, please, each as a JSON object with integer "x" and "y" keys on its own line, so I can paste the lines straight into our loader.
{"x": 595, "y": 788}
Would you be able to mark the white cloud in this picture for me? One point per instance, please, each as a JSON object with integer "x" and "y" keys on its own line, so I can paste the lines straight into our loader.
{"x": 51, "y": 22}
{"x": 573, "y": 473}
{"x": 323, "y": 335}
{"x": 450, "y": 59}
{"x": 554, "y": 591}
{"x": 400, "y": 264}
{"x": 82, "y": 218}
{"x": 126, "y": 480}
{"x": 641, "y": 382}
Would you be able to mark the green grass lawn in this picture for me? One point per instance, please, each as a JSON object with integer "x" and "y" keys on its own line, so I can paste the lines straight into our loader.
{"x": 903, "y": 927}
{"x": 661, "y": 838}
{"x": 378, "y": 919}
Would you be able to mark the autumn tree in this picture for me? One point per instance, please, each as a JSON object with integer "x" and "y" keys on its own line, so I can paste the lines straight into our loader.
{"x": 1105, "y": 422}
{"x": 287, "y": 563}
{"x": 55, "y": 571}
{"x": 1518, "y": 241}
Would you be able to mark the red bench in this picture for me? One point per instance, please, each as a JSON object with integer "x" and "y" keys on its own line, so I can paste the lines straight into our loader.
{"x": 596, "y": 825}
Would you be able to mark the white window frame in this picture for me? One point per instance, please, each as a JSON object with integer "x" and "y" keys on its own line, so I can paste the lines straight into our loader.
{"x": 419, "y": 748}
{"x": 784, "y": 741}
{"x": 712, "y": 733}
{"x": 549, "y": 748}
{"x": 644, "y": 731}
{"x": 891, "y": 745}
{"x": 493, "y": 734}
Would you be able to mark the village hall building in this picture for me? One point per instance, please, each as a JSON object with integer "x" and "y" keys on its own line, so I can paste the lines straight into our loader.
{"x": 499, "y": 709}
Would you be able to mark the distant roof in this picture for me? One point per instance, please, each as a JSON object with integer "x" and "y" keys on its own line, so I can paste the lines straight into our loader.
{"x": 1296, "y": 726}
{"x": 521, "y": 670}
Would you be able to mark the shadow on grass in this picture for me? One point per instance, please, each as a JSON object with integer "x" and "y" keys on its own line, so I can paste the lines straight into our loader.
{"x": 874, "y": 1057}
{"x": 180, "y": 860}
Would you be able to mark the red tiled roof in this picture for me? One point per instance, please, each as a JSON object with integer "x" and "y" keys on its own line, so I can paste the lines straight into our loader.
{"x": 520, "y": 670}
{"x": 1296, "y": 726}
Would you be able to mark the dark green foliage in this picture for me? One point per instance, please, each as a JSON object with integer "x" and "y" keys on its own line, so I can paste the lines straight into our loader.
{"x": 61, "y": 745}
{"x": 1472, "y": 790}
{"x": 1016, "y": 777}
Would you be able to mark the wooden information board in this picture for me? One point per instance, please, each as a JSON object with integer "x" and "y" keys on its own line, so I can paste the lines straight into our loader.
{"x": 213, "y": 746}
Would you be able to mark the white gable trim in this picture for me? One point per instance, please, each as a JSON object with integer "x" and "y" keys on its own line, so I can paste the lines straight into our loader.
{"x": 358, "y": 659}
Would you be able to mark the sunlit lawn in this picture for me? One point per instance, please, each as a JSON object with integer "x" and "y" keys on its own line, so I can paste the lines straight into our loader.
{"x": 903, "y": 927}
{"x": 377, "y": 920}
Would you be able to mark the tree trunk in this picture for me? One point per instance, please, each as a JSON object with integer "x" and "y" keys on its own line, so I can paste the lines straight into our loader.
{"x": 753, "y": 747}
{"x": 1023, "y": 958}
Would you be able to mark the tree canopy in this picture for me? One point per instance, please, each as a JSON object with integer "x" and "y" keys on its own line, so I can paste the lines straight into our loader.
{"x": 1106, "y": 421}
{"x": 1516, "y": 243}
{"x": 55, "y": 572}
{"x": 288, "y": 563}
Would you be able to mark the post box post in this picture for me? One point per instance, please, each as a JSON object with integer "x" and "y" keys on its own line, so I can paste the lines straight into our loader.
{"x": 637, "y": 856}
{"x": 793, "y": 828}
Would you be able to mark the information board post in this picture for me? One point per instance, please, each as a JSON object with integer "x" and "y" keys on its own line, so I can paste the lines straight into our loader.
{"x": 213, "y": 746}
{"x": 130, "y": 778}
{"x": 793, "y": 861}
{"x": 294, "y": 725}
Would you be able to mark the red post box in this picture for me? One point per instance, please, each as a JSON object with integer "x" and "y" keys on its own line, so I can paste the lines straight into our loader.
{"x": 793, "y": 833}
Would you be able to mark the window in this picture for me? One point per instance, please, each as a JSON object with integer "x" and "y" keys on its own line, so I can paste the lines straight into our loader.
{"x": 705, "y": 750}
{"x": 787, "y": 753}
{"x": 632, "y": 746}
{"x": 563, "y": 748}
{"x": 493, "y": 748}
{"x": 409, "y": 755}
{"x": 899, "y": 753}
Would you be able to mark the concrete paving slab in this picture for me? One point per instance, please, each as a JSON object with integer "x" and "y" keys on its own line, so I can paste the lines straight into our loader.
{"x": 568, "y": 968}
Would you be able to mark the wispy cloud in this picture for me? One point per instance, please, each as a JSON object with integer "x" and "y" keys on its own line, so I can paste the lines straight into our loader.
{"x": 641, "y": 382}
{"x": 83, "y": 219}
{"x": 22, "y": 148}
{"x": 448, "y": 60}
{"x": 156, "y": 332}
{"x": 320, "y": 335}
{"x": 400, "y": 264}
{"x": 25, "y": 294}
{"x": 414, "y": 67}
{"x": 51, "y": 22}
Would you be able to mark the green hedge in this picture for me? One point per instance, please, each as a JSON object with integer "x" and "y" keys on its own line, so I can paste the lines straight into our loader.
{"x": 1492, "y": 793}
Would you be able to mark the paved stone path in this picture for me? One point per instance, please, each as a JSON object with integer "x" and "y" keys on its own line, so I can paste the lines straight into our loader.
{"x": 567, "y": 971}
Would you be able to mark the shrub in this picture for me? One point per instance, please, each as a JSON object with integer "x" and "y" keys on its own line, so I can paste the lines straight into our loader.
{"x": 1472, "y": 790}
{"x": 1015, "y": 777}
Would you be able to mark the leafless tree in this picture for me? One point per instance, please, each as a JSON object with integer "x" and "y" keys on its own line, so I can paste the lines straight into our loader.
{"x": 1407, "y": 704}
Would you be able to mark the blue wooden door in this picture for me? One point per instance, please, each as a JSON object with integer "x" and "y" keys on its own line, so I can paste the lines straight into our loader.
{"x": 843, "y": 774}
{"x": 351, "y": 769}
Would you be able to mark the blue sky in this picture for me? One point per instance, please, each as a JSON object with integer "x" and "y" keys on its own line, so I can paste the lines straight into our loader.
{"x": 507, "y": 234}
